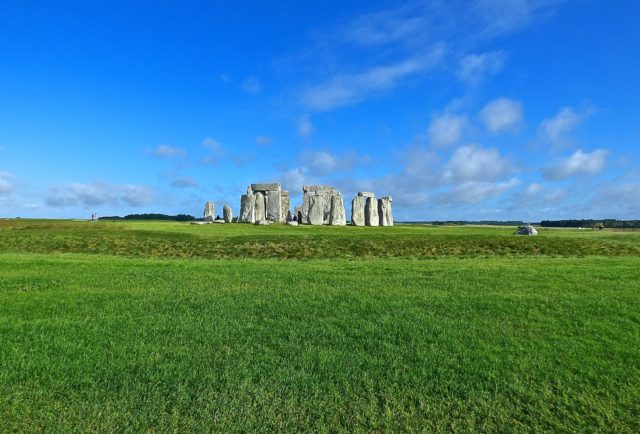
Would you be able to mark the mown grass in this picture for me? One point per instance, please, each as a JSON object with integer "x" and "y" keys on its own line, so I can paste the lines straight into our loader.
{"x": 137, "y": 340}
{"x": 180, "y": 240}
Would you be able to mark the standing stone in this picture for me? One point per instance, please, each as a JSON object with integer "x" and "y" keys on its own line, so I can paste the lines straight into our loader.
{"x": 227, "y": 214}
{"x": 338, "y": 217}
{"x": 247, "y": 208}
{"x": 316, "y": 210}
{"x": 285, "y": 206}
{"x": 274, "y": 206}
{"x": 297, "y": 213}
{"x": 371, "y": 212}
{"x": 384, "y": 211}
{"x": 260, "y": 206}
{"x": 366, "y": 194}
{"x": 209, "y": 212}
{"x": 357, "y": 210}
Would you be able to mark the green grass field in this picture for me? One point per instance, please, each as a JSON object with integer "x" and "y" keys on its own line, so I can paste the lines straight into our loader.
{"x": 145, "y": 326}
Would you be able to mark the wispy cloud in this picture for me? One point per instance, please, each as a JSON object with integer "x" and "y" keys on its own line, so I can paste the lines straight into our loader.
{"x": 166, "y": 151}
{"x": 579, "y": 163}
{"x": 305, "y": 127}
{"x": 502, "y": 114}
{"x": 446, "y": 129}
{"x": 556, "y": 129}
{"x": 473, "y": 68}
{"x": 6, "y": 183}
{"x": 252, "y": 85}
{"x": 263, "y": 141}
{"x": 99, "y": 194}
{"x": 185, "y": 182}
{"x": 474, "y": 163}
{"x": 347, "y": 89}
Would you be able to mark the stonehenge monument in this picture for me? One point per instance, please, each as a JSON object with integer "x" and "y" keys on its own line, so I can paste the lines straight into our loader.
{"x": 264, "y": 201}
{"x": 322, "y": 205}
{"x": 366, "y": 210}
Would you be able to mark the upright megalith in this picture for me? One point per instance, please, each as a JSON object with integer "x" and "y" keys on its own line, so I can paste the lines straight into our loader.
{"x": 247, "y": 208}
{"x": 209, "y": 212}
{"x": 297, "y": 213}
{"x": 274, "y": 206}
{"x": 338, "y": 215}
{"x": 357, "y": 210}
{"x": 227, "y": 214}
{"x": 264, "y": 201}
{"x": 371, "y": 217}
{"x": 322, "y": 205}
{"x": 260, "y": 207}
{"x": 384, "y": 211}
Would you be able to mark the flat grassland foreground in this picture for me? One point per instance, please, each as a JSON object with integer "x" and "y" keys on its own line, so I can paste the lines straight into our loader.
{"x": 106, "y": 327}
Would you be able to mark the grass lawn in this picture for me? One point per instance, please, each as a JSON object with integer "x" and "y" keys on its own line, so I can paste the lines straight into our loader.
{"x": 140, "y": 326}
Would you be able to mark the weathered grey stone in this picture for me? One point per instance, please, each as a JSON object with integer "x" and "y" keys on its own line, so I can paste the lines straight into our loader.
{"x": 266, "y": 186}
{"x": 297, "y": 213}
{"x": 260, "y": 206}
{"x": 384, "y": 211}
{"x": 227, "y": 214}
{"x": 285, "y": 206}
{"x": 220, "y": 221}
{"x": 338, "y": 217}
{"x": 371, "y": 212}
{"x": 263, "y": 222}
{"x": 316, "y": 210}
{"x": 526, "y": 230}
{"x": 209, "y": 212}
{"x": 321, "y": 189}
{"x": 247, "y": 208}
{"x": 274, "y": 206}
{"x": 366, "y": 194}
{"x": 292, "y": 223}
{"x": 357, "y": 211}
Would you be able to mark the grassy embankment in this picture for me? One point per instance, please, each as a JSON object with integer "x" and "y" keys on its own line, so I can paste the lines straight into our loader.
{"x": 103, "y": 327}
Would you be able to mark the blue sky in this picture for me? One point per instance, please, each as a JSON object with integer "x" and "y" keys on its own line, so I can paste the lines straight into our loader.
{"x": 479, "y": 109}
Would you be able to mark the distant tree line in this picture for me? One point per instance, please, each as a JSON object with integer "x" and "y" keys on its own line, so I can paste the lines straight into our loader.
{"x": 588, "y": 223}
{"x": 481, "y": 222}
{"x": 177, "y": 218}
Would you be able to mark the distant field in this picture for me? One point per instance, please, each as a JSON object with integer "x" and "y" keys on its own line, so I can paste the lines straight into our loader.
{"x": 136, "y": 326}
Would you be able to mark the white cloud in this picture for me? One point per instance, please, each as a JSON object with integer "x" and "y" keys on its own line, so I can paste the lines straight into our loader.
{"x": 533, "y": 189}
{"x": 477, "y": 191}
{"x": 166, "y": 151}
{"x": 474, "y": 67}
{"x": 305, "y": 127}
{"x": 347, "y": 89}
{"x": 263, "y": 140}
{"x": 579, "y": 163}
{"x": 252, "y": 85}
{"x": 217, "y": 152}
{"x": 446, "y": 129}
{"x": 184, "y": 182}
{"x": 555, "y": 196}
{"x": 294, "y": 179}
{"x": 501, "y": 114}
{"x": 99, "y": 194}
{"x": 6, "y": 185}
{"x": 211, "y": 143}
{"x": 473, "y": 163}
{"x": 556, "y": 129}
{"x": 136, "y": 195}
{"x": 322, "y": 163}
